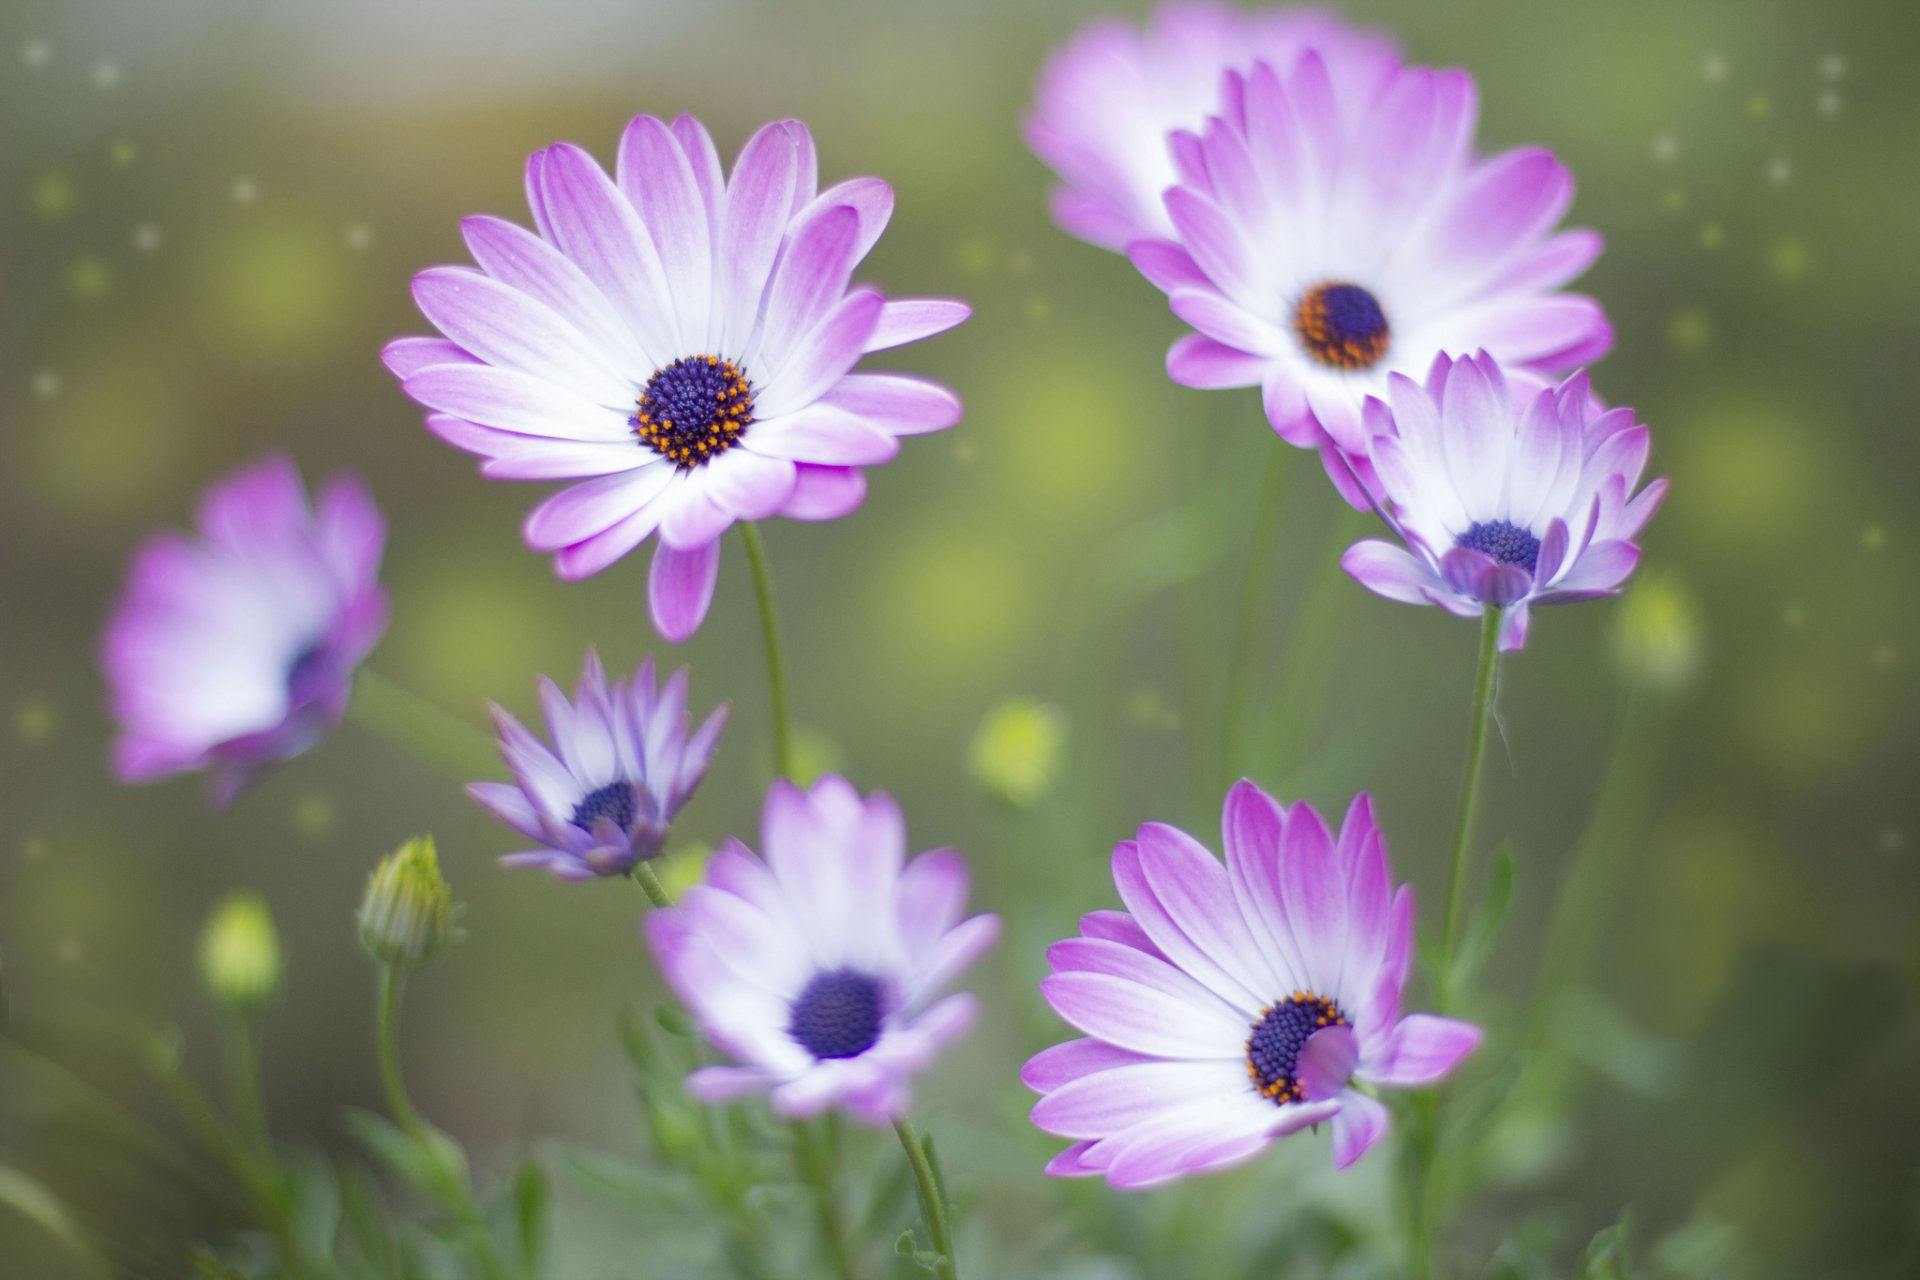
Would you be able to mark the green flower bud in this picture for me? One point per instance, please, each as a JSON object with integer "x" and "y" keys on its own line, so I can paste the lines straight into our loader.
{"x": 408, "y": 912}
{"x": 240, "y": 953}
{"x": 1018, "y": 749}
{"x": 1657, "y": 634}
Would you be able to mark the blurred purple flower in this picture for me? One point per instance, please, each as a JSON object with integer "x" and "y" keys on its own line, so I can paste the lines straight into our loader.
{"x": 622, "y": 765}
{"x": 1498, "y": 505}
{"x": 235, "y": 649}
{"x": 684, "y": 340}
{"x": 818, "y": 968}
{"x": 1331, "y": 230}
{"x": 1230, "y": 1006}
{"x": 1108, "y": 101}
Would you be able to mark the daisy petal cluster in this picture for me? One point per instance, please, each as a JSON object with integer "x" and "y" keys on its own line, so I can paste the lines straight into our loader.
{"x": 1110, "y": 100}
{"x": 1231, "y": 1005}
{"x": 1502, "y": 506}
{"x": 680, "y": 342}
{"x": 623, "y": 762}
{"x": 1328, "y": 233}
{"x": 233, "y": 649}
{"x": 819, "y": 969}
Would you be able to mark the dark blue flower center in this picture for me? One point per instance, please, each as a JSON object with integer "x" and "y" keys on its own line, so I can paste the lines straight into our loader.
{"x": 694, "y": 410}
{"x": 307, "y": 669}
{"x": 1342, "y": 326}
{"x": 837, "y": 1015}
{"x": 613, "y": 801}
{"x": 1505, "y": 542}
{"x": 1273, "y": 1049}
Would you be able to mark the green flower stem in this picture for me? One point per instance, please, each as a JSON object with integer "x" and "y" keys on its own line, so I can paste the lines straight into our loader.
{"x": 444, "y": 743}
{"x": 770, "y": 630}
{"x": 1314, "y": 636}
{"x": 1257, "y": 570}
{"x": 1483, "y": 683}
{"x": 1423, "y": 1143}
{"x": 243, "y": 1083}
{"x": 649, "y": 882}
{"x": 933, "y": 1200}
{"x": 817, "y": 1170}
{"x": 455, "y": 1189}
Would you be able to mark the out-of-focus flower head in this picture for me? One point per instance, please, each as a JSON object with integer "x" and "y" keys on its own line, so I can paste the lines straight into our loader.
{"x": 235, "y": 648}
{"x": 680, "y": 343}
{"x": 1330, "y": 232}
{"x": 408, "y": 913}
{"x": 1499, "y": 505}
{"x": 1229, "y": 1006}
{"x": 1110, "y": 100}
{"x": 622, "y": 764}
{"x": 819, "y": 969}
{"x": 240, "y": 953}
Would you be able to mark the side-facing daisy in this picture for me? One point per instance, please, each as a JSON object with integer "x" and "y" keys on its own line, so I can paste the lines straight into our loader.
{"x": 622, "y": 764}
{"x": 1110, "y": 99}
{"x": 235, "y": 649}
{"x": 1499, "y": 505}
{"x": 819, "y": 970}
{"x": 1324, "y": 240}
{"x": 1231, "y": 1005}
{"x": 680, "y": 342}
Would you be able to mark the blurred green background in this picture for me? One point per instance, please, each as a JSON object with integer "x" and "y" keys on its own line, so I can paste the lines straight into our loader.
{"x": 211, "y": 213}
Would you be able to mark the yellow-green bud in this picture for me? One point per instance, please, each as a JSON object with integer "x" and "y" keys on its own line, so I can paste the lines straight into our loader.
{"x": 1017, "y": 751}
{"x": 1657, "y": 634}
{"x": 240, "y": 953}
{"x": 408, "y": 913}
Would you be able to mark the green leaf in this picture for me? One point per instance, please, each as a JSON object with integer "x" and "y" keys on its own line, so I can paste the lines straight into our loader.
{"x": 316, "y": 1204}
{"x": 1489, "y": 920}
{"x": 1606, "y": 1257}
{"x": 531, "y": 1196}
{"x": 906, "y": 1246}
{"x": 436, "y": 1167}
{"x": 29, "y": 1198}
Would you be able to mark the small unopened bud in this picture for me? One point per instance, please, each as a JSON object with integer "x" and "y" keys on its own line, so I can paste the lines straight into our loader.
{"x": 408, "y": 913}
{"x": 1657, "y": 634}
{"x": 1017, "y": 751}
{"x": 240, "y": 953}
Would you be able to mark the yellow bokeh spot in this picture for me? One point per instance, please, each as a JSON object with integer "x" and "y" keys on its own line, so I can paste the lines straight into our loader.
{"x": 53, "y": 196}
{"x": 89, "y": 279}
{"x": 33, "y": 720}
{"x": 956, "y": 603}
{"x": 1018, "y": 750}
{"x": 114, "y": 433}
{"x": 1759, "y": 106}
{"x": 121, "y": 153}
{"x": 314, "y": 815}
{"x": 1676, "y": 199}
{"x": 1689, "y": 330}
{"x": 275, "y": 288}
{"x": 1750, "y": 467}
{"x": 1874, "y": 537}
{"x": 1712, "y": 236}
{"x": 1788, "y": 258}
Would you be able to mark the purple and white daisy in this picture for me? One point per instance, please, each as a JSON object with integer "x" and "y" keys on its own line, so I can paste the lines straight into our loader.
{"x": 1500, "y": 505}
{"x": 622, "y": 764}
{"x": 235, "y": 649}
{"x": 1231, "y": 1005}
{"x": 819, "y": 970}
{"x": 679, "y": 341}
{"x": 1326, "y": 237}
{"x": 1110, "y": 99}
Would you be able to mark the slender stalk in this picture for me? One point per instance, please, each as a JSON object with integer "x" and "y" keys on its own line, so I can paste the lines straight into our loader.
{"x": 816, "y": 1170}
{"x": 1313, "y": 637}
{"x": 393, "y": 1085}
{"x": 1424, "y": 1140}
{"x": 243, "y": 1084}
{"x": 644, "y": 876}
{"x": 387, "y": 1046}
{"x": 1258, "y": 567}
{"x": 933, "y": 1203}
{"x": 1483, "y": 681}
{"x": 443, "y": 742}
{"x": 770, "y": 631}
